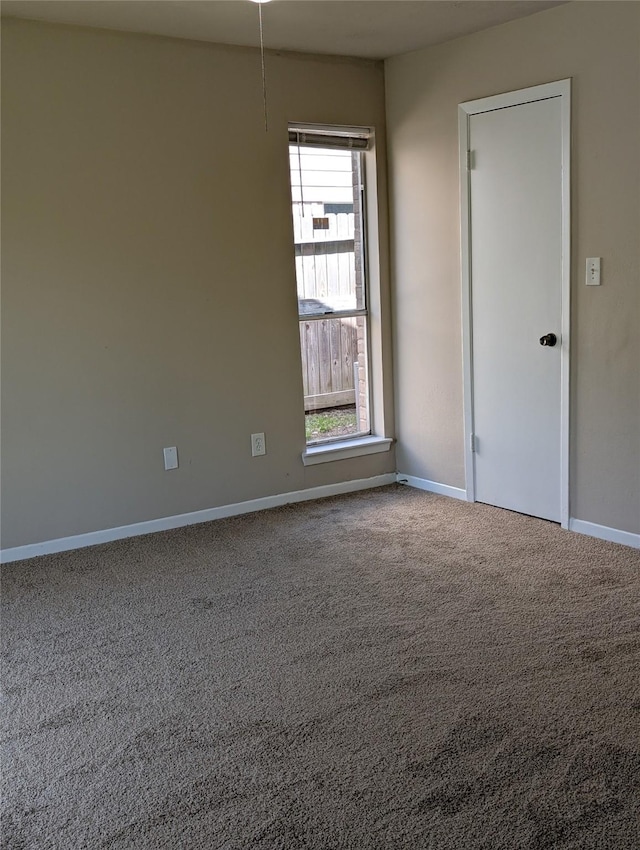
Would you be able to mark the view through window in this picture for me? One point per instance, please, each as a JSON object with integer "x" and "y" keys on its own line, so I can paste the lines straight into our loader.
{"x": 328, "y": 202}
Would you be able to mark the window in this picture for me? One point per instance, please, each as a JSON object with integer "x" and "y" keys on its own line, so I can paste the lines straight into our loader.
{"x": 328, "y": 206}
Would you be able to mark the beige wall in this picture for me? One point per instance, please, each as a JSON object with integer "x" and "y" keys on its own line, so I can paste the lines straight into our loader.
{"x": 148, "y": 283}
{"x": 598, "y": 45}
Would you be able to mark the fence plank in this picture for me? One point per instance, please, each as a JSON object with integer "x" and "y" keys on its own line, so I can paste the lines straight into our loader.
{"x": 320, "y": 402}
{"x": 324, "y": 355}
{"x": 335, "y": 342}
{"x": 349, "y": 346}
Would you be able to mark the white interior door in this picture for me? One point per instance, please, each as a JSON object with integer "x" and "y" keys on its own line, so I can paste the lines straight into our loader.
{"x": 516, "y": 282}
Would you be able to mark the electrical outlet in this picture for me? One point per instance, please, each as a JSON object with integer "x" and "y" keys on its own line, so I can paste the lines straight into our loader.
{"x": 258, "y": 445}
{"x": 170, "y": 457}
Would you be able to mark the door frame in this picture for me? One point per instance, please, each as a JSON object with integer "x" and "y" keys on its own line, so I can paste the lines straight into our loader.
{"x": 561, "y": 89}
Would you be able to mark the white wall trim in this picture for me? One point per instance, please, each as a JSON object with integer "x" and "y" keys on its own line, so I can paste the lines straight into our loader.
{"x": 614, "y": 535}
{"x": 564, "y": 87}
{"x": 561, "y": 89}
{"x": 93, "y": 538}
{"x": 433, "y": 487}
{"x": 80, "y": 541}
{"x": 516, "y": 98}
{"x": 342, "y": 449}
{"x": 580, "y": 526}
{"x": 465, "y": 268}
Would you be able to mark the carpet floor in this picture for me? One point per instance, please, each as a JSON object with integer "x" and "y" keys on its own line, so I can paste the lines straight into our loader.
{"x": 388, "y": 669}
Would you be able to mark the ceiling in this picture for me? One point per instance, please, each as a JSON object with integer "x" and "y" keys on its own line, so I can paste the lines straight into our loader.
{"x": 374, "y": 29}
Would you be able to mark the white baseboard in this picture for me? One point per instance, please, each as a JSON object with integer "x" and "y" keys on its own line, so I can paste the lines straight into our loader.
{"x": 93, "y": 538}
{"x": 614, "y": 535}
{"x": 79, "y": 541}
{"x": 432, "y": 486}
{"x": 592, "y": 529}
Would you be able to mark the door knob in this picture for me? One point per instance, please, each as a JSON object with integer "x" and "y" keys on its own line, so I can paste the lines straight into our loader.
{"x": 548, "y": 339}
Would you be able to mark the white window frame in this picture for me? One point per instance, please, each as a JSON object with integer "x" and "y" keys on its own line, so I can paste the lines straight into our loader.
{"x": 376, "y": 441}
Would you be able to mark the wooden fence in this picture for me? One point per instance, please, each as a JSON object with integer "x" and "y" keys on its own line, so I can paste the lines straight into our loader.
{"x": 329, "y": 356}
{"x": 327, "y": 273}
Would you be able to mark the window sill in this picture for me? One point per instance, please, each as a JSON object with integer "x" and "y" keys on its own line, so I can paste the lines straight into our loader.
{"x": 345, "y": 449}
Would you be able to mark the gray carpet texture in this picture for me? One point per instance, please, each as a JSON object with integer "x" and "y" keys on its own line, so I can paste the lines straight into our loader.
{"x": 387, "y": 669}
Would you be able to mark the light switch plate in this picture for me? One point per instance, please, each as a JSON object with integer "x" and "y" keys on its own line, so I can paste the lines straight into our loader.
{"x": 170, "y": 457}
{"x": 593, "y": 271}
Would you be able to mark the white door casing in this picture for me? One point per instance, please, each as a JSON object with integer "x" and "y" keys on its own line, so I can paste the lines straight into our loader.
{"x": 514, "y": 159}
